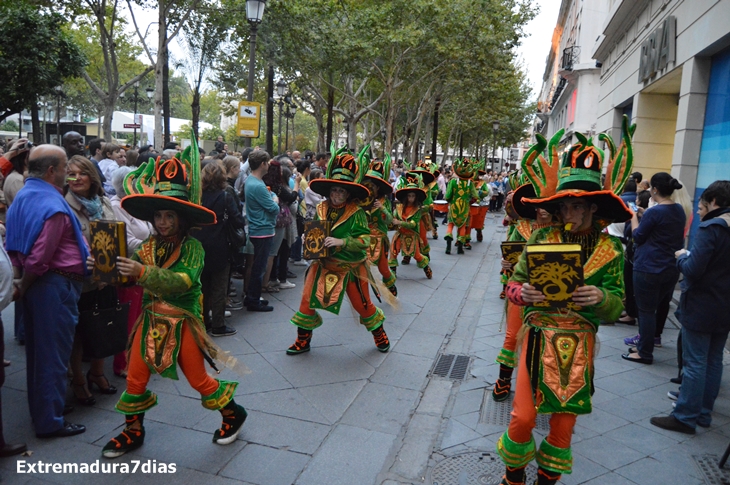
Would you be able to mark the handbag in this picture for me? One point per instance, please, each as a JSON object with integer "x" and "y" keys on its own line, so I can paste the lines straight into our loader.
{"x": 236, "y": 238}
{"x": 104, "y": 331}
{"x": 284, "y": 218}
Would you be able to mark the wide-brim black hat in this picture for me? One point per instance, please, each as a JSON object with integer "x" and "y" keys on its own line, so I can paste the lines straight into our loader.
{"x": 610, "y": 205}
{"x": 402, "y": 194}
{"x": 525, "y": 211}
{"x": 427, "y": 176}
{"x": 144, "y": 206}
{"x": 384, "y": 187}
{"x": 322, "y": 187}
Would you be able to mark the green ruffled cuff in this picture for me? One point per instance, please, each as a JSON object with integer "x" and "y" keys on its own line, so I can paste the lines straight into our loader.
{"x": 554, "y": 459}
{"x": 507, "y": 358}
{"x": 515, "y": 455}
{"x": 389, "y": 282}
{"x": 130, "y": 404}
{"x": 374, "y": 321}
{"x": 307, "y": 322}
{"x": 221, "y": 397}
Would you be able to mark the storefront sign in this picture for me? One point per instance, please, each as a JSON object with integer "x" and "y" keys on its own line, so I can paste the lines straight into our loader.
{"x": 658, "y": 50}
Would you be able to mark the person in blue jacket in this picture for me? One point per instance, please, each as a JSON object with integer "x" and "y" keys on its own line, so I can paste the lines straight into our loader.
{"x": 704, "y": 312}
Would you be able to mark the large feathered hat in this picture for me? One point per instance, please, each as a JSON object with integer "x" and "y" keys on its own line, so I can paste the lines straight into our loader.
{"x": 425, "y": 170}
{"x": 343, "y": 170}
{"x": 463, "y": 168}
{"x": 579, "y": 175}
{"x": 378, "y": 174}
{"x": 168, "y": 185}
{"x": 411, "y": 183}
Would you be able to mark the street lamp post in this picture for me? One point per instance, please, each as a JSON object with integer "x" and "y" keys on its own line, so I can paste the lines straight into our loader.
{"x": 59, "y": 94}
{"x": 287, "y": 115}
{"x": 293, "y": 131}
{"x": 254, "y": 14}
{"x": 136, "y": 99}
{"x": 501, "y": 155}
{"x": 281, "y": 89}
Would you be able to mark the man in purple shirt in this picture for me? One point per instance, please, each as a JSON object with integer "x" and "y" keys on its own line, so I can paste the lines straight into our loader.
{"x": 48, "y": 252}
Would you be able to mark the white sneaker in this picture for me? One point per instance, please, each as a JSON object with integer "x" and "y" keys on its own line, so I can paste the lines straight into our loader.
{"x": 227, "y": 314}
{"x": 274, "y": 283}
{"x": 286, "y": 285}
{"x": 301, "y": 262}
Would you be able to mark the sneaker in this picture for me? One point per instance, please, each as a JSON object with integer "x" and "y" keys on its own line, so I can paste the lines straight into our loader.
{"x": 658, "y": 342}
{"x": 234, "y": 305}
{"x": 290, "y": 275}
{"x": 232, "y": 292}
{"x": 632, "y": 341}
{"x": 301, "y": 262}
{"x": 673, "y": 395}
{"x": 501, "y": 389}
{"x": 261, "y": 307}
{"x": 285, "y": 285}
{"x": 224, "y": 331}
{"x": 301, "y": 344}
{"x": 126, "y": 441}
{"x": 406, "y": 260}
{"x": 228, "y": 432}
{"x": 381, "y": 339}
{"x": 428, "y": 271}
{"x": 502, "y": 295}
{"x": 393, "y": 290}
{"x": 227, "y": 314}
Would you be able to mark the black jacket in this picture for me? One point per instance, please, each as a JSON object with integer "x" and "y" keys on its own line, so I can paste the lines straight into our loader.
{"x": 705, "y": 302}
{"x": 213, "y": 238}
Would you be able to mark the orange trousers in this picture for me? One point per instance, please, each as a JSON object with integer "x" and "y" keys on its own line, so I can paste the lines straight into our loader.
{"x": 383, "y": 266}
{"x": 190, "y": 360}
{"x": 524, "y": 413}
{"x": 514, "y": 323}
{"x": 462, "y": 231}
{"x": 397, "y": 243}
{"x": 364, "y": 309}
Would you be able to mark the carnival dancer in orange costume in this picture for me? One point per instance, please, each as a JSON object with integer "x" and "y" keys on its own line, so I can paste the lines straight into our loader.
{"x": 459, "y": 194}
{"x": 556, "y": 364}
{"x": 407, "y": 219}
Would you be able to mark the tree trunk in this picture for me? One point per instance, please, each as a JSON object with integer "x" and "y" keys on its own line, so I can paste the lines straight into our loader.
{"x": 166, "y": 92}
{"x": 270, "y": 111}
{"x": 159, "y": 77}
{"x": 330, "y": 108}
{"x": 196, "y": 110}
{"x": 37, "y": 136}
{"x": 435, "y": 134}
{"x": 106, "y": 127}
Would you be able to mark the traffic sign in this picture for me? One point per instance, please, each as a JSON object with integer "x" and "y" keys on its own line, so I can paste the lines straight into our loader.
{"x": 249, "y": 119}
{"x": 131, "y": 125}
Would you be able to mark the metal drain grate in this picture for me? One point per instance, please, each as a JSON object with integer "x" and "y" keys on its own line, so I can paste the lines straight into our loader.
{"x": 451, "y": 366}
{"x": 472, "y": 469}
{"x": 713, "y": 474}
{"x": 498, "y": 413}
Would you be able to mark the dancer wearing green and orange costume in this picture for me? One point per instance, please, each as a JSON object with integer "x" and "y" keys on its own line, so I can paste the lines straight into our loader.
{"x": 459, "y": 193}
{"x": 379, "y": 215}
{"x": 478, "y": 208}
{"x": 407, "y": 221}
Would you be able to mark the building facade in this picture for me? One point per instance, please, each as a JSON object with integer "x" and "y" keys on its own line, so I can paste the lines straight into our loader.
{"x": 571, "y": 81}
{"x": 666, "y": 64}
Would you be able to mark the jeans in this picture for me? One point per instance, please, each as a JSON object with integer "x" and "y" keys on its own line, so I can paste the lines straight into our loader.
{"x": 652, "y": 290}
{"x": 214, "y": 284}
{"x": 261, "y": 250}
{"x": 702, "y": 356}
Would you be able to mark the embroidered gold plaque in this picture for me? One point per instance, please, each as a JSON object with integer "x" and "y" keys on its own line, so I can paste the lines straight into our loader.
{"x": 557, "y": 271}
{"x": 108, "y": 241}
{"x": 315, "y": 232}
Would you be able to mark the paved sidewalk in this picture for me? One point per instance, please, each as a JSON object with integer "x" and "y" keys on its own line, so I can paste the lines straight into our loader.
{"x": 347, "y": 414}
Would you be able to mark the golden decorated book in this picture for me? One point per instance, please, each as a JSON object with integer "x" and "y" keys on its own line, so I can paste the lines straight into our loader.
{"x": 511, "y": 251}
{"x": 108, "y": 241}
{"x": 315, "y": 233}
{"x": 556, "y": 270}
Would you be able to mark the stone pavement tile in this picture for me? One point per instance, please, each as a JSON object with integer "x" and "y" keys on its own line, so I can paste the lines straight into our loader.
{"x": 338, "y": 461}
{"x": 364, "y": 350}
{"x": 720, "y": 423}
{"x": 584, "y": 431}
{"x": 484, "y": 444}
{"x": 236, "y": 344}
{"x": 583, "y": 470}
{"x": 412, "y": 458}
{"x": 680, "y": 457}
{"x": 182, "y": 475}
{"x": 601, "y": 422}
{"x": 288, "y": 402}
{"x": 274, "y": 336}
{"x": 174, "y": 410}
{"x": 406, "y": 371}
{"x": 470, "y": 420}
{"x": 263, "y": 377}
{"x": 435, "y": 397}
{"x": 265, "y": 466}
{"x": 620, "y": 384}
{"x": 606, "y": 452}
{"x": 467, "y": 402}
{"x": 492, "y": 431}
{"x": 672, "y": 435}
{"x": 332, "y": 400}
{"x": 649, "y": 471}
{"x": 457, "y": 434}
{"x": 610, "y": 479}
{"x": 610, "y": 365}
{"x": 418, "y": 343}
{"x": 472, "y": 384}
{"x": 320, "y": 366}
{"x": 382, "y": 408}
{"x": 172, "y": 444}
{"x": 629, "y": 410}
{"x": 641, "y": 439}
{"x": 654, "y": 396}
{"x": 275, "y": 431}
